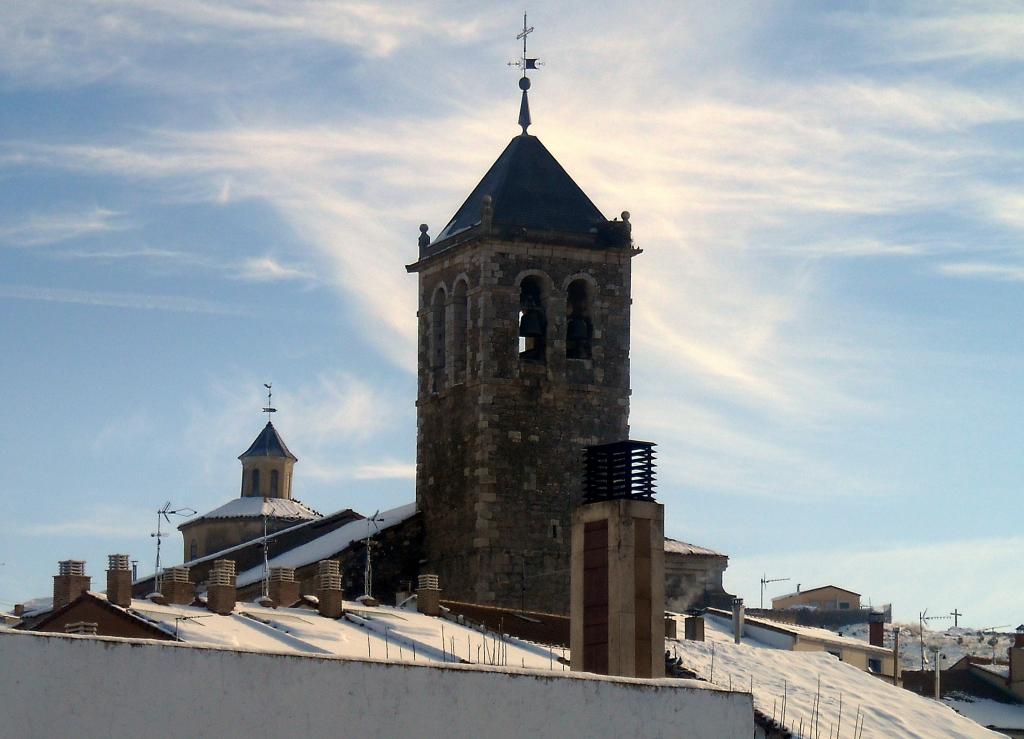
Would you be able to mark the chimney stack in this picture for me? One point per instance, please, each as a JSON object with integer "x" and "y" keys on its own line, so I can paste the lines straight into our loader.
{"x": 176, "y": 586}
{"x": 119, "y": 580}
{"x": 738, "y": 613}
{"x": 693, "y": 627}
{"x": 329, "y": 588}
{"x": 428, "y": 595}
{"x": 220, "y": 592}
{"x": 282, "y": 588}
{"x": 876, "y": 629}
{"x": 1016, "y": 654}
{"x": 670, "y": 627}
{"x": 70, "y": 582}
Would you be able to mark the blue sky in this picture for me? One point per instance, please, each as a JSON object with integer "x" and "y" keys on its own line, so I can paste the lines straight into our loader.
{"x": 198, "y": 198}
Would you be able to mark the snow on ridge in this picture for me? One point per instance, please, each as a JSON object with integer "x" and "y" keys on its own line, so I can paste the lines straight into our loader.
{"x": 257, "y": 507}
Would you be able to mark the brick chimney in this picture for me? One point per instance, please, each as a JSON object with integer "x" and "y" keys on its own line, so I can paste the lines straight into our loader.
{"x": 283, "y": 589}
{"x": 220, "y": 591}
{"x": 176, "y": 586}
{"x": 876, "y": 629}
{"x": 738, "y": 614}
{"x": 70, "y": 582}
{"x": 119, "y": 580}
{"x": 328, "y": 580}
{"x": 693, "y": 628}
{"x": 428, "y": 595}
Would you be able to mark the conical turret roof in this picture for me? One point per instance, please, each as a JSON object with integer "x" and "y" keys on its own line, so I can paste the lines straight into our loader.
{"x": 530, "y": 189}
{"x": 268, "y": 444}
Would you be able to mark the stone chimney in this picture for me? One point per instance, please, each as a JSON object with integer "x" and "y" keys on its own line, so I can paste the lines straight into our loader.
{"x": 85, "y": 628}
{"x": 428, "y": 595}
{"x": 282, "y": 588}
{"x": 876, "y": 629}
{"x": 176, "y": 586}
{"x": 693, "y": 628}
{"x": 738, "y": 614}
{"x": 329, "y": 592}
{"x": 119, "y": 580}
{"x": 70, "y": 582}
{"x": 220, "y": 591}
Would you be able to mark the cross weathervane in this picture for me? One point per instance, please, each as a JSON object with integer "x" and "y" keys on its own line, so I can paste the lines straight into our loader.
{"x": 270, "y": 408}
{"x": 526, "y": 62}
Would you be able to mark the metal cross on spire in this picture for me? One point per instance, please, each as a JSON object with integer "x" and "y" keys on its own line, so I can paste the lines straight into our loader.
{"x": 524, "y": 64}
{"x": 270, "y": 407}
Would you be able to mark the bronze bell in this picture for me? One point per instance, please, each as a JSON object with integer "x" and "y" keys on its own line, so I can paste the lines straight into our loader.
{"x": 577, "y": 330}
{"x": 531, "y": 325}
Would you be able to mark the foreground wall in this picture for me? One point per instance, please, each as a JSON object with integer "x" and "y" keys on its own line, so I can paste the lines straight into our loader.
{"x": 56, "y": 685}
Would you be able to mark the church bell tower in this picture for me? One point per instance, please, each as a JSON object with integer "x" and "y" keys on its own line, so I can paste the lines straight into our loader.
{"x": 524, "y": 300}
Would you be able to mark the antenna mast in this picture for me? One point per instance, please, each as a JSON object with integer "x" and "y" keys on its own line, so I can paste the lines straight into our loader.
{"x": 164, "y": 514}
{"x": 765, "y": 581}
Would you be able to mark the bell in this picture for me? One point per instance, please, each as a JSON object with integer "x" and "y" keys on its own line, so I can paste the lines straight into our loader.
{"x": 577, "y": 330}
{"x": 531, "y": 325}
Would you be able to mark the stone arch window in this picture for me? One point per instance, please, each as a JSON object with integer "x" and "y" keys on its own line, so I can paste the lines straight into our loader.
{"x": 274, "y": 480}
{"x": 193, "y": 549}
{"x": 460, "y": 331}
{"x": 579, "y": 329}
{"x": 255, "y": 480}
{"x": 533, "y": 323}
{"x": 437, "y": 337}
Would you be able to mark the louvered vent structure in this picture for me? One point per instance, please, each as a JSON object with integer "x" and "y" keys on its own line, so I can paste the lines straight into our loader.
{"x": 620, "y": 470}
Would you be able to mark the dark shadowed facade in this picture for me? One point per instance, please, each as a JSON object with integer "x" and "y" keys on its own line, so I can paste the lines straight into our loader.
{"x": 524, "y": 302}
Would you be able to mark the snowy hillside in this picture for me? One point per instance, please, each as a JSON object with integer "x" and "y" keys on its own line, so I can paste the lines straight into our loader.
{"x": 954, "y": 644}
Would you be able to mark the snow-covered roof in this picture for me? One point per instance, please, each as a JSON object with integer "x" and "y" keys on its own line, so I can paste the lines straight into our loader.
{"x": 813, "y": 590}
{"x": 804, "y": 632}
{"x": 330, "y": 543}
{"x": 257, "y": 507}
{"x": 681, "y": 547}
{"x": 987, "y": 712}
{"x": 379, "y": 632}
{"x": 818, "y": 684}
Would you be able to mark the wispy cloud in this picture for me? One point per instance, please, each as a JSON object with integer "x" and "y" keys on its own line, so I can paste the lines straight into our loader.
{"x": 44, "y": 229}
{"x": 268, "y": 269}
{"x": 99, "y": 521}
{"x": 136, "y": 301}
{"x": 982, "y": 271}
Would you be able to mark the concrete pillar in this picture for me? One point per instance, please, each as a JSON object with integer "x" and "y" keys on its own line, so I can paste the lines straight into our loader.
{"x": 220, "y": 592}
{"x": 119, "y": 580}
{"x": 738, "y": 616}
{"x": 428, "y": 595}
{"x": 618, "y": 588}
{"x": 70, "y": 582}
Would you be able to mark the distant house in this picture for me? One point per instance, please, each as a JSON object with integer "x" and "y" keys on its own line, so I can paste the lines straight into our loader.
{"x": 826, "y": 598}
{"x": 693, "y": 577}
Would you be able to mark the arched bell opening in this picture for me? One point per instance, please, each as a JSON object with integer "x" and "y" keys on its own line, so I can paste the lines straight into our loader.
{"x": 579, "y": 329}
{"x": 533, "y": 323}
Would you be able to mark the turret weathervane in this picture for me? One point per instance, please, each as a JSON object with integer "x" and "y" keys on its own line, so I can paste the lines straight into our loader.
{"x": 270, "y": 406}
{"x": 524, "y": 82}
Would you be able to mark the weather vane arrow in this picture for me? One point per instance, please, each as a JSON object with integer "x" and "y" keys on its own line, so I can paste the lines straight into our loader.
{"x": 525, "y": 63}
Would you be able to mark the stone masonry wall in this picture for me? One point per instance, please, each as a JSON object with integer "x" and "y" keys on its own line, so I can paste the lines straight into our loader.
{"x": 500, "y": 440}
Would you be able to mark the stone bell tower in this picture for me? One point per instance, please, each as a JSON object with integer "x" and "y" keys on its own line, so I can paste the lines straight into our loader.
{"x": 524, "y": 302}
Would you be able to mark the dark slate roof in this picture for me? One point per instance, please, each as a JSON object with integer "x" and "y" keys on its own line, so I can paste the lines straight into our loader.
{"x": 268, "y": 444}
{"x": 530, "y": 189}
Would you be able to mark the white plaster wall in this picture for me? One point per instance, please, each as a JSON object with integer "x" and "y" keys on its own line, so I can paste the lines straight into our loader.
{"x": 56, "y": 685}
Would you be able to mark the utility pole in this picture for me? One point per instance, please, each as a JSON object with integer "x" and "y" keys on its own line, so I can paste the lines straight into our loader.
{"x": 765, "y": 581}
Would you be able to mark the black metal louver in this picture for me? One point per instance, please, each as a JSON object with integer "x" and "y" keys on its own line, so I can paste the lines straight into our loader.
{"x": 622, "y": 469}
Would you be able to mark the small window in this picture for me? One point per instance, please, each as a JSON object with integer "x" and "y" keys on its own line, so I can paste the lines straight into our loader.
{"x": 533, "y": 324}
{"x": 875, "y": 666}
{"x": 273, "y": 482}
{"x": 579, "y": 330}
{"x": 193, "y": 549}
{"x": 844, "y": 605}
{"x": 255, "y": 489}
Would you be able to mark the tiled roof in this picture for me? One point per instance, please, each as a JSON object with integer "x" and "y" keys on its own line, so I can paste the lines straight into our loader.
{"x": 268, "y": 444}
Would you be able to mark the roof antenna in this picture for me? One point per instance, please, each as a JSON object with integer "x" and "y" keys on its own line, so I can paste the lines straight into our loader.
{"x": 270, "y": 407}
{"x": 524, "y": 82}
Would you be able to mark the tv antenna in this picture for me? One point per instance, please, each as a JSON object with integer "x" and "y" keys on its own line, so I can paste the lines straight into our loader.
{"x": 923, "y": 619}
{"x": 368, "y": 541}
{"x": 765, "y": 581}
{"x": 270, "y": 406}
{"x": 164, "y": 514}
